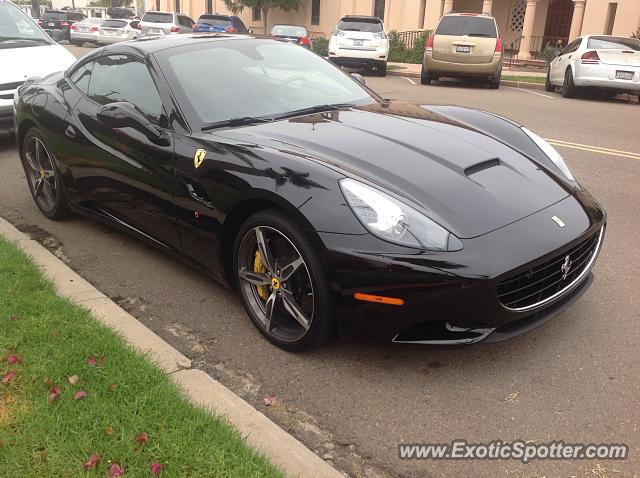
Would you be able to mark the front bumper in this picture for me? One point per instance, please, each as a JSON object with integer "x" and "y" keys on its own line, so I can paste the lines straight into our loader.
{"x": 603, "y": 76}
{"x": 357, "y": 57}
{"x": 452, "y": 297}
{"x": 451, "y": 69}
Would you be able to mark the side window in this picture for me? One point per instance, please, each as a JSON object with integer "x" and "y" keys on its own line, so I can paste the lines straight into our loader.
{"x": 81, "y": 76}
{"x": 241, "y": 26}
{"x": 576, "y": 45}
{"x": 134, "y": 24}
{"x": 125, "y": 78}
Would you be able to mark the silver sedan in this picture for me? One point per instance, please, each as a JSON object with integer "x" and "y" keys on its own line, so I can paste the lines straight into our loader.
{"x": 601, "y": 61}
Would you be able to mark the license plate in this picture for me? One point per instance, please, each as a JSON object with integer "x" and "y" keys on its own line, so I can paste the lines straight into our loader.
{"x": 50, "y": 24}
{"x": 155, "y": 31}
{"x": 358, "y": 42}
{"x": 463, "y": 49}
{"x": 624, "y": 75}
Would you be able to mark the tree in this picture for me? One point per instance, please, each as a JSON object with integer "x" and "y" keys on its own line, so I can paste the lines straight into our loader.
{"x": 35, "y": 8}
{"x": 236, "y": 6}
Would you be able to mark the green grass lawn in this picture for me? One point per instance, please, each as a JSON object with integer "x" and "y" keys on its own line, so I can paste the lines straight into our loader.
{"x": 528, "y": 79}
{"x": 45, "y": 340}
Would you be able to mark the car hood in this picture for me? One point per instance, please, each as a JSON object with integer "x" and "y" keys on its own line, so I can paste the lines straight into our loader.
{"x": 462, "y": 178}
{"x": 33, "y": 61}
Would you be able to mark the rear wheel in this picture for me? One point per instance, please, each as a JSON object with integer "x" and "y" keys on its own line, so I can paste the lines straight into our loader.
{"x": 43, "y": 177}
{"x": 569, "y": 89}
{"x": 425, "y": 76}
{"x": 547, "y": 83}
{"x": 494, "y": 82}
{"x": 283, "y": 281}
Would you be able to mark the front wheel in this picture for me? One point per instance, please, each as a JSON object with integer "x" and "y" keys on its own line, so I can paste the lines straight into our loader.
{"x": 43, "y": 177}
{"x": 283, "y": 281}
{"x": 547, "y": 83}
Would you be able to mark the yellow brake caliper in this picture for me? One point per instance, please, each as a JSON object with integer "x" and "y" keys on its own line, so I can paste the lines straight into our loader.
{"x": 258, "y": 266}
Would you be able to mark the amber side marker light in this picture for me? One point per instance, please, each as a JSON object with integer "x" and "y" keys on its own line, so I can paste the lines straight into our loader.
{"x": 380, "y": 299}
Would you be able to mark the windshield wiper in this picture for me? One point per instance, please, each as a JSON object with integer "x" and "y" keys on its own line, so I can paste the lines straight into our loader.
{"x": 313, "y": 109}
{"x": 480, "y": 35}
{"x": 241, "y": 121}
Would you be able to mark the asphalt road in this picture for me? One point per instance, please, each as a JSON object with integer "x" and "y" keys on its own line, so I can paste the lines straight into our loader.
{"x": 573, "y": 379}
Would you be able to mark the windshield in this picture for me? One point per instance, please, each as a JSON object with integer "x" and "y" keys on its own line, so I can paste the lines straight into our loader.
{"x": 215, "y": 20}
{"x": 155, "y": 17}
{"x": 17, "y": 28}
{"x": 613, "y": 43}
{"x": 260, "y": 78}
{"x": 115, "y": 23}
{"x": 289, "y": 30}
{"x": 371, "y": 25}
{"x": 467, "y": 25}
{"x": 54, "y": 15}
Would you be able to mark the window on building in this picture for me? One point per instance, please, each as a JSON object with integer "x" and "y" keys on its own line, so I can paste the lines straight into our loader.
{"x": 315, "y": 12}
{"x": 378, "y": 9}
{"x": 209, "y": 6}
{"x": 516, "y": 20}
{"x": 157, "y": 5}
{"x": 256, "y": 14}
{"x": 611, "y": 18}
{"x": 177, "y": 6}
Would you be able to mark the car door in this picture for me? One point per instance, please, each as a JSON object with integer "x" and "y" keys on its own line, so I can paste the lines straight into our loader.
{"x": 120, "y": 172}
{"x": 561, "y": 62}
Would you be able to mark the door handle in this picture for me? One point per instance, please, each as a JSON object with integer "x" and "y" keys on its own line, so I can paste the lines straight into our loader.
{"x": 70, "y": 131}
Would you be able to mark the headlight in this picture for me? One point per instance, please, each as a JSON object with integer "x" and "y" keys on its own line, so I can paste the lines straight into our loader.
{"x": 551, "y": 153}
{"x": 394, "y": 221}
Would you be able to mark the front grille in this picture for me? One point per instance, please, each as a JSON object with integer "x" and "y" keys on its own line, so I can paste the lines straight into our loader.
{"x": 550, "y": 279}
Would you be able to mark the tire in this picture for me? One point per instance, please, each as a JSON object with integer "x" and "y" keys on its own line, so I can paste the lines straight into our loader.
{"x": 569, "y": 89}
{"x": 263, "y": 286}
{"x": 547, "y": 83}
{"x": 76, "y": 43}
{"x": 381, "y": 69}
{"x": 494, "y": 82}
{"x": 43, "y": 177}
{"x": 425, "y": 76}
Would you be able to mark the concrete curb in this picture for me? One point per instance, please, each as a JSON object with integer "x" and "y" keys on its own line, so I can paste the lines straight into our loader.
{"x": 260, "y": 432}
{"x": 511, "y": 83}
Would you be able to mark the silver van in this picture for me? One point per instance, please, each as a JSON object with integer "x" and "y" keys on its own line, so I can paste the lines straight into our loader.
{"x": 165, "y": 23}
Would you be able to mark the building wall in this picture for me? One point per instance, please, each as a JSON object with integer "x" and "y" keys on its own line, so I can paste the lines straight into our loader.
{"x": 627, "y": 18}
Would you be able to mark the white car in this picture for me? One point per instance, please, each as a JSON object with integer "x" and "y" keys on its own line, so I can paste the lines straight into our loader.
{"x": 360, "y": 42}
{"x": 25, "y": 51}
{"x": 600, "y": 61}
{"x": 114, "y": 31}
{"x": 85, "y": 31}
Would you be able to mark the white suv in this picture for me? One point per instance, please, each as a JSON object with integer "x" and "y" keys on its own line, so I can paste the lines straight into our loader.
{"x": 360, "y": 42}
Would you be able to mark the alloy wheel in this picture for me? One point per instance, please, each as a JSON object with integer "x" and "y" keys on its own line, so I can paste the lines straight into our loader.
{"x": 276, "y": 284}
{"x": 41, "y": 174}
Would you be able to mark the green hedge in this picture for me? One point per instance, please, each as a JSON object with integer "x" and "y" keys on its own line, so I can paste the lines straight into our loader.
{"x": 320, "y": 46}
{"x": 399, "y": 53}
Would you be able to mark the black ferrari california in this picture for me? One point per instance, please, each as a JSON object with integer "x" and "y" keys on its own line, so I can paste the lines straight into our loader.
{"x": 290, "y": 181}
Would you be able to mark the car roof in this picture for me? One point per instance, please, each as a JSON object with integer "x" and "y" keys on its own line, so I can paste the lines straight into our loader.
{"x": 468, "y": 14}
{"x": 360, "y": 17}
{"x": 158, "y": 11}
{"x": 149, "y": 45}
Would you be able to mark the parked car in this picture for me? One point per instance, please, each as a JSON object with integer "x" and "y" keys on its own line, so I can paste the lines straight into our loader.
{"x": 60, "y": 20}
{"x": 360, "y": 42}
{"x": 120, "y": 12}
{"x": 165, "y": 23}
{"x": 464, "y": 45}
{"x": 292, "y": 34}
{"x": 316, "y": 199}
{"x": 210, "y": 22}
{"x": 85, "y": 31}
{"x": 113, "y": 31}
{"x": 25, "y": 51}
{"x": 604, "y": 62}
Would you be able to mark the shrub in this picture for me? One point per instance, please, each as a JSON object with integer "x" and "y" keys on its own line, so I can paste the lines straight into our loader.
{"x": 636, "y": 35}
{"x": 398, "y": 51}
{"x": 320, "y": 46}
{"x": 548, "y": 53}
{"x": 397, "y": 48}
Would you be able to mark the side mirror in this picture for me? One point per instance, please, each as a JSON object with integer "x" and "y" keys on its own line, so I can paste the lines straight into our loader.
{"x": 56, "y": 35}
{"x": 121, "y": 114}
{"x": 359, "y": 78}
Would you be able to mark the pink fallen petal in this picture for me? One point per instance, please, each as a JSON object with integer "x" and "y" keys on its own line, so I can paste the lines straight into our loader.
{"x": 270, "y": 400}
{"x": 115, "y": 471}
{"x": 10, "y": 375}
{"x": 142, "y": 438}
{"x": 53, "y": 393}
{"x": 73, "y": 379}
{"x": 156, "y": 468}
{"x": 91, "y": 361}
{"x": 80, "y": 394}
{"x": 14, "y": 359}
{"x": 93, "y": 461}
